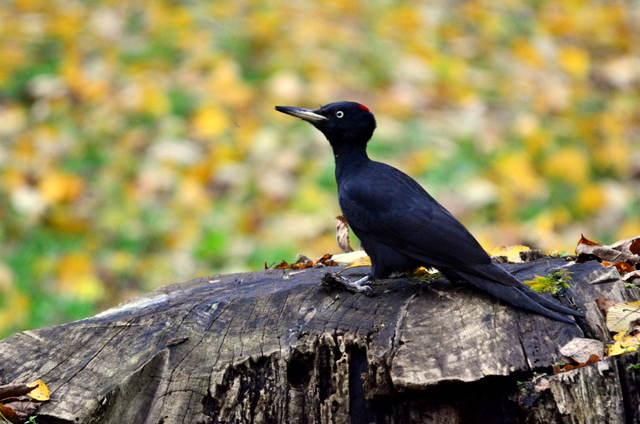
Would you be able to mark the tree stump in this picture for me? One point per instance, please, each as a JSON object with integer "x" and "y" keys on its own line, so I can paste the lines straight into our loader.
{"x": 276, "y": 347}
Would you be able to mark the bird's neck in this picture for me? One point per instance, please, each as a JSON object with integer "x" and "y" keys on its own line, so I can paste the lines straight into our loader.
{"x": 350, "y": 159}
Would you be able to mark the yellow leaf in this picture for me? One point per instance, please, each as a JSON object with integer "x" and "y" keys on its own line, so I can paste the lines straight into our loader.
{"x": 14, "y": 310}
{"x": 568, "y": 164}
{"x": 536, "y": 138}
{"x": 512, "y": 252}
{"x": 591, "y": 198}
{"x": 357, "y": 258}
{"x": 519, "y": 181}
{"x": 58, "y": 187}
{"x": 210, "y": 121}
{"x": 362, "y": 262}
{"x": 154, "y": 100}
{"x": 528, "y": 53}
{"x": 574, "y": 61}
{"x": 40, "y": 391}
{"x": 517, "y": 170}
{"x": 624, "y": 343}
{"x": 77, "y": 277}
{"x": 228, "y": 85}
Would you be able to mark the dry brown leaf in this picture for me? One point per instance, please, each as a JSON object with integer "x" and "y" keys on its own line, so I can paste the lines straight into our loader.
{"x": 604, "y": 305}
{"x": 342, "y": 234}
{"x": 624, "y": 267}
{"x": 15, "y": 406}
{"x": 13, "y": 390}
{"x": 584, "y": 240}
{"x": 592, "y": 360}
{"x": 23, "y": 408}
{"x": 9, "y": 414}
{"x": 304, "y": 262}
{"x": 634, "y": 246}
{"x": 632, "y": 277}
{"x": 611, "y": 254}
{"x": 580, "y": 349}
{"x": 283, "y": 265}
{"x": 630, "y": 244}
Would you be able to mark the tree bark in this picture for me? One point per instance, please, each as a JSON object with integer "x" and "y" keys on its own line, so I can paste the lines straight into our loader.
{"x": 276, "y": 347}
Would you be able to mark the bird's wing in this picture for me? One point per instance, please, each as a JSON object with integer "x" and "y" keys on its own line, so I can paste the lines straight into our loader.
{"x": 390, "y": 207}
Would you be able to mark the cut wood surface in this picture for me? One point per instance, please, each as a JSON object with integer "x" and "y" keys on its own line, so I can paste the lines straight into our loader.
{"x": 276, "y": 347}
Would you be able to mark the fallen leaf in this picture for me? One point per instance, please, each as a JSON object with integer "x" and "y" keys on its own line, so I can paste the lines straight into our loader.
{"x": 604, "y": 305}
{"x": 625, "y": 342}
{"x": 13, "y": 390}
{"x": 592, "y": 360}
{"x": 351, "y": 258}
{"x": 512, "y": 252}
{"x": 623, "y": 267}
{"x": 9, "y": 414}
{"x": 586, "y": 241}
{"x": 632, "y": 277}
{"x": 622, "y": 316}
{"x": 283, "y": 265}
{"x": 15, "y": 406}
{"x": 584, "y": 257}
{"x": 22, "y": 408}
{"x": 611, "y": 254}
{"x": 630, "y": 244}
{"x": 580, "y": 349}
{"x": 40, "y": 391}
{"x": 342, "y": 234}
{"x": 634, "y": 246}
{"x": 425, "y": 271}
{"x": 304, "y": 262}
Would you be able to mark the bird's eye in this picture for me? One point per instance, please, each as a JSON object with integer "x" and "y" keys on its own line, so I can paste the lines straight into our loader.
{"x": 339, "y": 114}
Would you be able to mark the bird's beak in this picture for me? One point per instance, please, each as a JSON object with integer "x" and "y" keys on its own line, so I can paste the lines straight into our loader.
{"x": 306, "y": 114}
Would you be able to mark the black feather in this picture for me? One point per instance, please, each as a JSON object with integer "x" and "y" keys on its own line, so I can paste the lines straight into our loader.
{"x": 399, "y": 224}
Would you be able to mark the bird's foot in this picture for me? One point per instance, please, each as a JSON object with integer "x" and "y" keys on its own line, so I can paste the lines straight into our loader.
{"x": 336, "y": 281}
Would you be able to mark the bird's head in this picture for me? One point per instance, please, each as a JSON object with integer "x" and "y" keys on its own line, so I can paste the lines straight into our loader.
{"x": 343, "y": 123}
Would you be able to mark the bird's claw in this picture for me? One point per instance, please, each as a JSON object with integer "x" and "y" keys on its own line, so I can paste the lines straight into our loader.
{"x": 336, "y": 281}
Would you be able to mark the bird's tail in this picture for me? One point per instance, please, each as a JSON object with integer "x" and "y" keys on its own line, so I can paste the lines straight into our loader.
{"x": 498, "y": 282}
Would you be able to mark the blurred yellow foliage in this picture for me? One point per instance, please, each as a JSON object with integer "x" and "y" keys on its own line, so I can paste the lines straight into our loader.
{"x": 58, "y": 187}
{"x": 153, "y": 100}
{"x": 14, "y": 305}
{"x": 210, "y": 121}
{"x": 568, "y": 164}
{"x": 517, "y": 174}
{"x": 528, "y": 53}
{"x": 76, "y": 277}
{"x": 591, "y": 198}
{"x": 575, "y": 61}
{"x": 14, "y": 311}
{"x": 226, "y": 85}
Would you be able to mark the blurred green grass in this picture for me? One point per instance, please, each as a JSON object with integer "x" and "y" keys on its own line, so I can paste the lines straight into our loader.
{"x": 139, "y": 145}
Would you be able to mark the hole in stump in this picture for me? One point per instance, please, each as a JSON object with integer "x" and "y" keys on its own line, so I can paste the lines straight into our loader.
{"x": 298, "y": 372}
